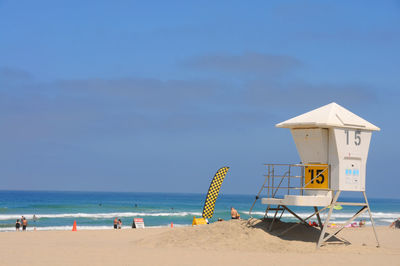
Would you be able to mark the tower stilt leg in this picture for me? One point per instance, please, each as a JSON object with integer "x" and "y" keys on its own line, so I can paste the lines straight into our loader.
{"x": 321, "y": 237}
{"x": 370, "y": 217}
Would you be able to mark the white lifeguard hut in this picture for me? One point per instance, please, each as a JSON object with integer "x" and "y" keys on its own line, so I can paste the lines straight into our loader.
{"x": 333, "y": 145}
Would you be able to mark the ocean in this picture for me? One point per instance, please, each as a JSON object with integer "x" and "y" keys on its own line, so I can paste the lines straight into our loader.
{"x": 57, "y": 210}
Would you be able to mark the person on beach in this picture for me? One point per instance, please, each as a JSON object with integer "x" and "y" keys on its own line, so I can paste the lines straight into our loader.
{"x": 395, "y": 224}
{"x": 116, "y": 223}
{"x": 119, "y": 224}
{"x": 361, "y": 223}
{"x": 234, "y": 213}
{"x": 17, "y": 225}
{"x": 24, "y": 224}
{"x": 34, "y": 218}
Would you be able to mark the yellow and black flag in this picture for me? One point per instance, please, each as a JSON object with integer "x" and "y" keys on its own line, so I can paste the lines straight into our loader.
{"x": 213, "y": 191}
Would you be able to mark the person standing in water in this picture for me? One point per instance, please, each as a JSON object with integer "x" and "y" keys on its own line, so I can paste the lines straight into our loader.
{"x": 116, "y": 223}
{"x": 24, "y": 224}
{"x": 17, "y": 225}
{"x": 119, "y": 224}
{"x": 34, "y": 218}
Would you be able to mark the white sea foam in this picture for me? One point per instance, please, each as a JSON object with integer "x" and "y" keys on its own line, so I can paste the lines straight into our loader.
{"x": 98, "y": 215}
{"x": 387, "y": 220}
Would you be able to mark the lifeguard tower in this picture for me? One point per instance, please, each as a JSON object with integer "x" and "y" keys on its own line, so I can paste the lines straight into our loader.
{"x": 333, "y": 145}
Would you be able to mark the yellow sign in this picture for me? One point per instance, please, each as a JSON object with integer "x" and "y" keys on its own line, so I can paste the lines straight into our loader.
{"x": 316, "y": 176}
{"x": 198, "y": 221}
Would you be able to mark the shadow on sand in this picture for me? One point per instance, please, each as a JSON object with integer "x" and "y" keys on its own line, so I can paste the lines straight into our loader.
{"x": 301, "y": 232}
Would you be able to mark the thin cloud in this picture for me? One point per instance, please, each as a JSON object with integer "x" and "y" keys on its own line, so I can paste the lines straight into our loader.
{"x": 9, "y": 74}
{"x": 81, "y": 108}
{"x": 299, "y": 93}
{"x": 129, "y": 106}
{"x": 245, "y": 63}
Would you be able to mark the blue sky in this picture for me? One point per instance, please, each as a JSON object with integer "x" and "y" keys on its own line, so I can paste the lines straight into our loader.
{"x": 156, "y": 96}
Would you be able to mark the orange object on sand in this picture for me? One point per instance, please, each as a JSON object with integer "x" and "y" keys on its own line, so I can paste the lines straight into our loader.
{"x": 172, "y": 224}
{"x": 74, "y": 226}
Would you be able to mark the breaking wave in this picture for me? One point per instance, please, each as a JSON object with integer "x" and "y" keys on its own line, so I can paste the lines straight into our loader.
{"x": 99, "y": 215}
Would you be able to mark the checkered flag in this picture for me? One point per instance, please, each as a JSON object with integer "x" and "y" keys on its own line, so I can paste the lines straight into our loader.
{"x": 213, "y": 191}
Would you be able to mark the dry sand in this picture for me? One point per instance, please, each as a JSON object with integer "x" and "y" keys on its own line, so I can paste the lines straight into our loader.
{"x": 222, "y": 243}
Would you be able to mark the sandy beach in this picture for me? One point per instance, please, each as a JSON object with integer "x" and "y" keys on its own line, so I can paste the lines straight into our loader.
{"x": 223, "y": 243}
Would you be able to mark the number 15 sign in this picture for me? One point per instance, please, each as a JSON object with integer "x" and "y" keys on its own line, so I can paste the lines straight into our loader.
{"x": 316, "y": 176}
